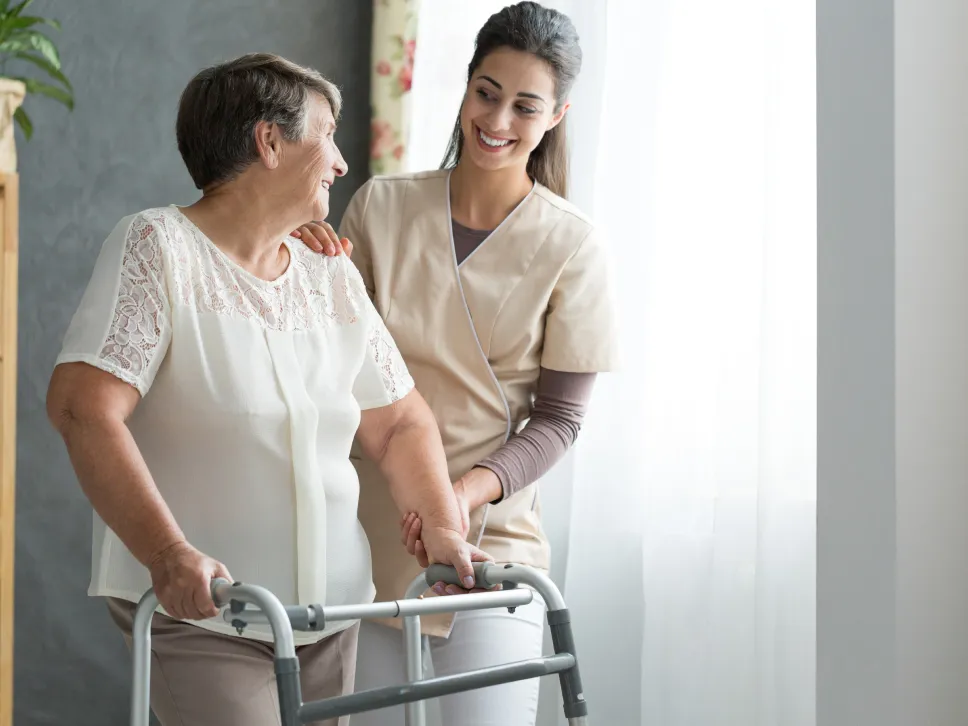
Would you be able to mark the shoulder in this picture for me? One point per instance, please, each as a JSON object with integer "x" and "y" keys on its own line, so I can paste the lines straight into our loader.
{"x": 153, "y": 229}
{"x": 320, "y": 273}
{"x": 563, "y": 210}
{"x": 143, "y": 238}
{"x": 391, "y": 186}
{"x": 412, "y": 177}
{"x": 572, "y": 227}
{"x": 383, "y": 201}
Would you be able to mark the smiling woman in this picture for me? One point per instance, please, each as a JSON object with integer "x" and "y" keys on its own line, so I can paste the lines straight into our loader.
{"x": 518, "y": 96}
{"x": 509, "y": 120}
{"x": 496, "y": 289}
{"x": 208, "y": 391}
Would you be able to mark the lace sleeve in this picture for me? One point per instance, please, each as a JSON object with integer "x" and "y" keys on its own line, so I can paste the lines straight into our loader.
{"x": 397, "y": 381}
{"x": 123, "y": 323}
{"x": 383, "y": 378}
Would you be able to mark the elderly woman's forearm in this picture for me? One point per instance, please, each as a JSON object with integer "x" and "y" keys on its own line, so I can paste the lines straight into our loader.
{"x": 115, "y": 479}
{"x": 415, "y": 466}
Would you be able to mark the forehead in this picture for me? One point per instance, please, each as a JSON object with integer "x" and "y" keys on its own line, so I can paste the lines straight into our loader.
{"x": 318, "y": 112}
{"x": 518, "y": 72}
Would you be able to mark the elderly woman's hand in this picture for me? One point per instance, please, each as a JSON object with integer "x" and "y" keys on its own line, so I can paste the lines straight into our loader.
{"x": 321, "y": 237}
{"x": 411, "y": 536}
{"x": 448, "y": 547}
{"x": 410, "y": 527}
{"x": 182, "y": 578}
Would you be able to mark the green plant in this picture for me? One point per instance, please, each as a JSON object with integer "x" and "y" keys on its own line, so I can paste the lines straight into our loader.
{"x": 21, "y": 40}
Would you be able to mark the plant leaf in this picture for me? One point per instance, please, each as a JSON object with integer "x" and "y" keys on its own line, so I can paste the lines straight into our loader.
{"x": 15, "y": 11}
{"x": 45, "y": 89}
{"x": 23, "y": 121}
{"x": 46, "y": 65}
{"x": 28, "y": 21}
{"x": 31, "y": 40}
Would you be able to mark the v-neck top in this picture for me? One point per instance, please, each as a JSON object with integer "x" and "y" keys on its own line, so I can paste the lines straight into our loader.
{"x": 467, "y": 240}
{"x": 475, "y": 337}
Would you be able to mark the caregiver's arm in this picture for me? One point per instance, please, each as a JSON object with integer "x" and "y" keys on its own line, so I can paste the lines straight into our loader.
{"x": 404, "y": 441}
{"x": 89, "y": 408}
{"x": 560, "y": 404}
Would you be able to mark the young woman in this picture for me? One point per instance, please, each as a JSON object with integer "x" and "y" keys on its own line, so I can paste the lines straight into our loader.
{"x": 495, "y": 290}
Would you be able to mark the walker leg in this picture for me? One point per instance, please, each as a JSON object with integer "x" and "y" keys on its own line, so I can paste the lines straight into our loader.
{"x": 141, "y": 654}
{"x": 416, "y": 712}
{"x": 576, "y": 709}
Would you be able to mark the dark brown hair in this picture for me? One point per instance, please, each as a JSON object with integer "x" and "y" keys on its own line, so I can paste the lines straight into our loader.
{"x": 551, "y": 36}
{"x": 221, "y": 105}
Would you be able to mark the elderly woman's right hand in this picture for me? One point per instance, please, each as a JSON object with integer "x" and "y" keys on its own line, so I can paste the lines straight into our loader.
{"x": 321, "y": 237}
{"x": 182, "y": 578}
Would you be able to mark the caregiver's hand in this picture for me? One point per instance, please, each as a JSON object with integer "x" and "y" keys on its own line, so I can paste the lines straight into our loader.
{"x": 321, "y": 237}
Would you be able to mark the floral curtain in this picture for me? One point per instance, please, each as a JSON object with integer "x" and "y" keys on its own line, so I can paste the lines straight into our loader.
{"x": 391, "y": 76}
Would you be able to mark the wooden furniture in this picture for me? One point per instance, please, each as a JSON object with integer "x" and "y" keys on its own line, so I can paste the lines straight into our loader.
{"x": 8, "y": 424}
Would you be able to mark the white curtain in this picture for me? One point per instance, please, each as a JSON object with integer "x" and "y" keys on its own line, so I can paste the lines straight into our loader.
{"x": 683, "y": 524}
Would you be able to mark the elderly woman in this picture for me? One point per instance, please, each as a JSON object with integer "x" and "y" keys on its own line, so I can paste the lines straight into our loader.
{"x": 210, "y": 386}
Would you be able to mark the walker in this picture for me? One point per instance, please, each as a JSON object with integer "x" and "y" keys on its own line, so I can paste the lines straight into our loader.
{"x": 284, "y": 620}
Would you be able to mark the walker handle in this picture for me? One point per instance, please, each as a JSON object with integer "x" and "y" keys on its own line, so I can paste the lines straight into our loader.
{"x": 218, "y": 585}
{"x": 448, "y": 575}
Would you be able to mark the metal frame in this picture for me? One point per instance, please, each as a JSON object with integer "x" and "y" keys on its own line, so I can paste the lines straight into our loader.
{"x": 284, "y": 620}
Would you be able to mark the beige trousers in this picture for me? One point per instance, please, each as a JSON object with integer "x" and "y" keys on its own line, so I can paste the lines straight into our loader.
{"x": 201, "y": 678}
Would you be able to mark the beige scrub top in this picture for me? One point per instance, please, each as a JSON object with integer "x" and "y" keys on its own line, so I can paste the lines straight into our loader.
{"x": 535, "y": 293}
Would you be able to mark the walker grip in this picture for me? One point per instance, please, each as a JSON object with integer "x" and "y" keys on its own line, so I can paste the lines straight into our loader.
{"x": 217, "y": 588}
{"x": 448, "y": 575}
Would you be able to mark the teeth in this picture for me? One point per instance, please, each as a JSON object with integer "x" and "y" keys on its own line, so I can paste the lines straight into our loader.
{"x": 326, "y": 185}
{"x": 491, "y": 141}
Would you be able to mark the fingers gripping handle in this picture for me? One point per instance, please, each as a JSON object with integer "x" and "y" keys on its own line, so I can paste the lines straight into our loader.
{"x": 448, "y": 575}
{"x": 219, "y": 596}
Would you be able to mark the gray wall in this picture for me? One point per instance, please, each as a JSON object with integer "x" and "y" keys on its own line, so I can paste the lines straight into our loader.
{"x": 892, "y": 583}
{"x": 932, "y": 360}
{"x": 128, "y": 60}
{"x": 855, "y": 366}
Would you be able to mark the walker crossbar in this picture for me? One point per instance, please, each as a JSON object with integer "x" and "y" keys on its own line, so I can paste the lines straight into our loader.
{"x": 315, "y": 617}
{"x": 284, "y": 620}
{"x": 375, "y": 698}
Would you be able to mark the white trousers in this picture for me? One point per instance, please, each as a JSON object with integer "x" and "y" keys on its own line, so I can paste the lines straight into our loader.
{"x": 480, "y": 638}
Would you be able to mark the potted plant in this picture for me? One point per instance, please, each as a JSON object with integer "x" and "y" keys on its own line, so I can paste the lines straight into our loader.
{"x": 22, "y": 41}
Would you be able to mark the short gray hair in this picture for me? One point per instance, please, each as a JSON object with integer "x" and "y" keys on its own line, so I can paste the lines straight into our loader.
{"x": 221, "y": 105}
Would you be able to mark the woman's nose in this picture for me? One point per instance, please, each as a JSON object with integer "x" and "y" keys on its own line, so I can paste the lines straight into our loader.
{"x": 340, "y": 167}
{"x": 501, "y": 119}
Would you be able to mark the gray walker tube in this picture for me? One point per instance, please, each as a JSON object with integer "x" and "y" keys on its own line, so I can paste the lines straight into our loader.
{"x": 284, "y": 620}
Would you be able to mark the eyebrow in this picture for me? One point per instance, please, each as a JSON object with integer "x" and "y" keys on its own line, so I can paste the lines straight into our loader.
{"x": 522, "y": 94}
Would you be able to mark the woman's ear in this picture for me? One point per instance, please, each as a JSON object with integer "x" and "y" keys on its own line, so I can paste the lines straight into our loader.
{"x": 556, "y": 119}
{"x": 268, "y": 143}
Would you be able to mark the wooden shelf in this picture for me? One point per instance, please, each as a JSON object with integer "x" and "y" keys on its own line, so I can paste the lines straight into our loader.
{"x": 9, "y": 223}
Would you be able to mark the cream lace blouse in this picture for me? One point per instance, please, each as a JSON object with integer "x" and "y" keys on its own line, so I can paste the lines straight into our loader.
{"x": 252, "y": 392}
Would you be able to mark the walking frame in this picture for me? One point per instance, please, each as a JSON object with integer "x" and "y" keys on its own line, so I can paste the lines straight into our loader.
{"x": 514, "y": 580}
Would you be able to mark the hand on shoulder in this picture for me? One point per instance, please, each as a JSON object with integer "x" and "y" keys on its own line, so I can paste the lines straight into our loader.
{"x": 321, "y": 237}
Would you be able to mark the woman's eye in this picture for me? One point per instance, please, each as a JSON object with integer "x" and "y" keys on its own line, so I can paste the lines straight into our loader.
{"x": 483, "y": 94}
{"x": 527, "y": 110}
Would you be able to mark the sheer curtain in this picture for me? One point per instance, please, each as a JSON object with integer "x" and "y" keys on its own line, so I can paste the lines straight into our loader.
{"x": 683, "y": 523}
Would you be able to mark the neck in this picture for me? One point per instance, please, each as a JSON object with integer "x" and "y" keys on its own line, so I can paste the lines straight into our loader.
{"x": 243, "y": 223}
{"x": 482, "y": 199}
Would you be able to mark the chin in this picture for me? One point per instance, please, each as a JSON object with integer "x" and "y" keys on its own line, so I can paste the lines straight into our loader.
{"x": 320, "y": 211}
{"x": 492, "y": 162}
